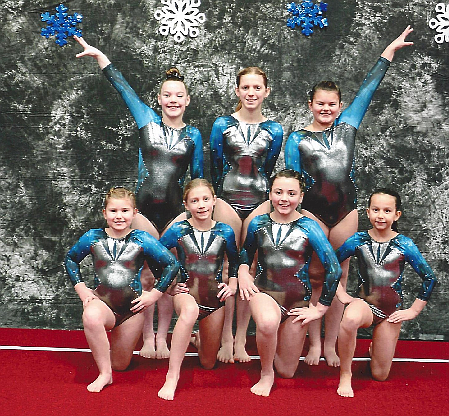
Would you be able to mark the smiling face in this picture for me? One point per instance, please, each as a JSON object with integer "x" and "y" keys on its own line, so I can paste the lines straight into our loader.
{"x": 382, "y": 212}
{"x": 173, "y": 99}
{"x": 200, "y": 202}
{"x": 252, "y": 91}
{"x": 285, "y": 196}
{"x": 119, "y": 214}
{"x": 325, "y": 107}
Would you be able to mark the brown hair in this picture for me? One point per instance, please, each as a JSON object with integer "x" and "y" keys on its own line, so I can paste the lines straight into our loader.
{"x": 195, "y": 183}
{"x": 173, "y": 74}
{"x": 288, "y": 173}
{"x": 251, "y": 70}
{"x": 120, "y": 192}
{"x": 397, "y": 200}
{"x": 325, "y": 86}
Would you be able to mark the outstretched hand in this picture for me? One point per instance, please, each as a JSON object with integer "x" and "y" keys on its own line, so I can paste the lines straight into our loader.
{"x": 89, "y": 50}
{"x": 397, "y": 44}
{"x": 307, "y": 314}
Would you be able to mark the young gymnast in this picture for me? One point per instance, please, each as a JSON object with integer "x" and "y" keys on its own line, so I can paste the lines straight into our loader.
{"x": 118, "y": 254}
{"x": 324, "y": 153}
{"x": 381, "y": 254}
{"x": 244, "y": 149}
{"x": 201, "y": 244}
{"x": 279, "y": 295}
{"x": 167, "y": 147}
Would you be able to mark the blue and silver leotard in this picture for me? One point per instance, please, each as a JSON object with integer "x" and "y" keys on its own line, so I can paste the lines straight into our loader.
{"x": 381, "y": 267}
{"x": 117, "y": 265}
{"x": 243, "y": 157}
{"x": 164, "y": 156}
{"x": 326, "y": 159}
{"x": 284, "y": 252}
{"x": 200, "y": 254}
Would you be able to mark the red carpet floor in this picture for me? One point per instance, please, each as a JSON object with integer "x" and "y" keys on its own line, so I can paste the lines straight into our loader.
{"x": 42, "y": 382}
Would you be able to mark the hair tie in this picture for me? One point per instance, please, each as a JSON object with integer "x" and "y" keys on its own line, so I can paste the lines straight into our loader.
{"x": 174, "y": 75}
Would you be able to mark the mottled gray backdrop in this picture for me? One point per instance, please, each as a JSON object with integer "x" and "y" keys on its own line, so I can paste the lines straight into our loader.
{"x": 66, "y": 136}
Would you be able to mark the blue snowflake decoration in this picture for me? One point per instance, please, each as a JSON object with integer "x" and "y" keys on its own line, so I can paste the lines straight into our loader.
{"x": 307, "y": 15}
{"x": 61, "y": 25}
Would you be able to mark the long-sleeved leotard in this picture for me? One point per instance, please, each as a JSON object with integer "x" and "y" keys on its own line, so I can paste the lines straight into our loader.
{"x": 164, "y": 157}
{"x": 200, "y": 254}
{"x": 381, "y": 267}
{"x": 284, "y": 252}
{"x": 243, "y": 157}
{"x": 326, "y": 159}
{"x": 117, "y": 265}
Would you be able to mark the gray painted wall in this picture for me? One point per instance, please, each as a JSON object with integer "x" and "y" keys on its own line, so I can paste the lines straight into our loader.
{"x": 66, "y": 136}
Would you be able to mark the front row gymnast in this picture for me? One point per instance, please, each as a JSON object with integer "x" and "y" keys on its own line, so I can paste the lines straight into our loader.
{"x": 278, "y": 297}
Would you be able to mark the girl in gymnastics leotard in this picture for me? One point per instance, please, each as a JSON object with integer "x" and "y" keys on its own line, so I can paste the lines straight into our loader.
{"x": 201, "y": 244}
{"x": 167, "y": 147}
{"x": 324, "y": 153}
{"x": 118, "y": 254}
{"x": 279, "y": 295}
{"x": 244, "y": 149}
{"x": 381, "y": 255}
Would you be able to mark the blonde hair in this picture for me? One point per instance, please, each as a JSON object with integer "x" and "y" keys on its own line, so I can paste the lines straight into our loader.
{"x": 119, "y": 192}
{"x": 250, "y": 70}
{"x": 195, "y": 183}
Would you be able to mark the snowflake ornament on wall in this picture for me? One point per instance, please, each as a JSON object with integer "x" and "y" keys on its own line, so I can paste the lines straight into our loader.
{"x": 441, "y": 23}
{"x": 307, "y": 15}
{"x": 180, "y": 18}
{"x": 61, "y": 25}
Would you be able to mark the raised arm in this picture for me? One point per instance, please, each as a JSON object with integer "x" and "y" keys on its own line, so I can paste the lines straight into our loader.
{"x": 397, "y": 44}
{"x": 95, "y": 53}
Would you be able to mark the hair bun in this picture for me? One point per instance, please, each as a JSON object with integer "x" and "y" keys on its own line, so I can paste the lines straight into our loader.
{"x": 173, "y": 74}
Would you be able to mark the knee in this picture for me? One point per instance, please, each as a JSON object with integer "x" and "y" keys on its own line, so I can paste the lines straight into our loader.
{"x": 350, "y": 322}
{"x": 267, "y": 325}
{"x": 189, "y": 313}
{"x": 208, "y": 363}
{"x": 285, "y": 372}
{"x": 92, "y": 318}
{"x": 120, "y": 363}
{"x": 380, "y": 373}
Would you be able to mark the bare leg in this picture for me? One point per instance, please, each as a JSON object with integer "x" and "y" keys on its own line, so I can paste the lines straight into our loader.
{"x": 97, "y": 319}
{"x": 267, "y": 315}
{"x": 291, "y": 338}
{"x": 209, "y": 336}
{"x": 164, "y": 313}
{"x": 385, "y": 338}
{"x": 357, "y": 314}
{"x": 187, "y": 311}
{"x": 223, "y": 212}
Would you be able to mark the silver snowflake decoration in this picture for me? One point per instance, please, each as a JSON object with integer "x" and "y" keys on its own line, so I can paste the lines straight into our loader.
{"x": 441, "y": 23}
{"x": 307, "y": 15}
{"x": 180, "y": 18}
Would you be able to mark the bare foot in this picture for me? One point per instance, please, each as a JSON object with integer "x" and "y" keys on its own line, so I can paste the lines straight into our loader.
{"x": 313, "y": 356}
{"x": 195, "y": 340}
{"x": 102, "y": 381}
{"x": 331, "y": 357}
{"x": 225, "y": 353}
{"x": 162, "y": 350}
{"x": 148, "y": 350}
{"x": 240, "y": 354}
{"x": 345, "y": 388}
{"x": 263, "y": 387}
{"x": 167, "y": 392}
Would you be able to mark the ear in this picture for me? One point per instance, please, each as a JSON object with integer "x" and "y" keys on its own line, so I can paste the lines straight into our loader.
{"x": 301, "y": 197}
{"x": 135, "y": 211}
{"x": 159, "y": 99}
{"x": 367, "y": 212}
{"x": 267, "y": 92}
{"x": 187, "y": 100}
{"x": 310, "y": 105}
{"x": 237, "y": 92}
{"x": 215, "y": 199}
{"x": 398, "y": 215}
{"x": 104, "y": 213}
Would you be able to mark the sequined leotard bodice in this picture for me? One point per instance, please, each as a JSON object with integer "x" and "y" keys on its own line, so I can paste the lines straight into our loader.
{"x": 284, "y": 252}
{"x": 326, "y": 159}
{"x": 381, "y": 267}
{"x": 201, "y": 254}
{"x": 117, "y": 264}
{"x": 242, "y": 159}
{"x": 164, "y": 156}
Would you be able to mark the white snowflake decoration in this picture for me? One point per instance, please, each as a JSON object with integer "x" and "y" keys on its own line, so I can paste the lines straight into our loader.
{"x": 180, "y": 18}
{"x": 441, "y": 23}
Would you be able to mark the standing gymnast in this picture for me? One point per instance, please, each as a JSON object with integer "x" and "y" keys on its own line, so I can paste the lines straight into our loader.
{"x": 324, "y": 153}
{"x": 201, "y": 244}
{"x": 279, "y": 295}
{"x": 381, "y": 254}
{"x": 167, "y": 147}
{"x": 244, "y": 149}
{"x": 118, "y": 254}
